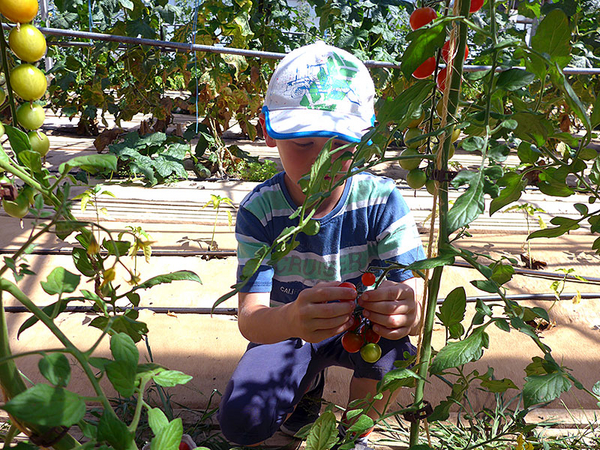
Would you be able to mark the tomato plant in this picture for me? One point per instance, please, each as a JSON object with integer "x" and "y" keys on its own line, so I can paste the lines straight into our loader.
{"x": 425, "y": 69}
{"x": 371, "y": 352}
{"x": 446, "y": 51}
{"x": 27, "y": 42}
{"x": 28, "y": 82}
{"x": 347, "y": 284}
{"x": 20, "y": 11}
{"x": 17, "y": 208}
{"x": 371, "y": 336}
{"x": 39, "y": 142}
{"x": 368, "y": 279}
{"x": 416, "y": 178}
{"x": 476, "y": 5}
{"x": 352, "y": 342}
{"x": 30, "y": 116}
{"x": 421, "y": 17}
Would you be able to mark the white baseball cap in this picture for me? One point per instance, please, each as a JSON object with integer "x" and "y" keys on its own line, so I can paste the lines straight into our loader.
{"x": 319, "y": 91}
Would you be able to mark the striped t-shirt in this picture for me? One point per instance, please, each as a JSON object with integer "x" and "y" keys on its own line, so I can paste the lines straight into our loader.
{"x": 370, "y": 224}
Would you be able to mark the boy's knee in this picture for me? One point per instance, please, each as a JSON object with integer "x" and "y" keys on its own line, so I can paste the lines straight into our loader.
{"x": 246, "y": 422}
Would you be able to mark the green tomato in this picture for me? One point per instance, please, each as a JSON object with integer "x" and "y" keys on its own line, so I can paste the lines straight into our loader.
{"x": 371, "y": 352}
{"x": 2, "y": 96}
{"x": 2, "y": 130}
{"x": 28, "y": 82}
{"x": 39, "y": 142}
{"x": 411, "y": 163}
{"x": 416, "y": 178}
{"x": 17, "y": 208}
{"x": 30, "y": 116}
{"x": 412, "y": 133}
{"x": 430, "y": 186}
{"x": 27, "y": 42}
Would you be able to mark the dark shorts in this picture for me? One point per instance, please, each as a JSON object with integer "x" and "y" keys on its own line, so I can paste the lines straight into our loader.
{"x": 271, "y": 379}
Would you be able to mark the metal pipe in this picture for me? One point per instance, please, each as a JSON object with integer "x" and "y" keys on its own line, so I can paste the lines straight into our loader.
{"x": 19, "y": 309}
{"x": 184, "y": 47}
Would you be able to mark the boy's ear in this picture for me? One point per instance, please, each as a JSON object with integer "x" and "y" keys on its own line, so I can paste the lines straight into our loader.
{"x": 268, "y": 139}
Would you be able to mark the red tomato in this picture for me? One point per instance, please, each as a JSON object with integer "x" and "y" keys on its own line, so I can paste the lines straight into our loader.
{"x": 183, "y": 446}
{"x": 441, "y": 80}
{"x": 368, "y": 279}
{"x": 347, "y": 284}
{"x": 446, "y": 51}
{"x": 425, "y": 69}
{"x": 352, "y": 342}
{"x": 421, "y": 17}
{"x": 475, "y": 5}
{"x": 371, "y": 336}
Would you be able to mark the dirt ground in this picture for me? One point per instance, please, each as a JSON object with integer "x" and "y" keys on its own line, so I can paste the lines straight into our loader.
{"x": 184, "y": 337}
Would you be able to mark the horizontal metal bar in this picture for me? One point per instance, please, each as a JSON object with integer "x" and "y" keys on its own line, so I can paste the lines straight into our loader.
{"x": 184, "y": 47}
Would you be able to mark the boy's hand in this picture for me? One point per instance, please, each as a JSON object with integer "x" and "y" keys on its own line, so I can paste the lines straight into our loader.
{"x": 316, "y": 315}
{"x": 392, "y": 309}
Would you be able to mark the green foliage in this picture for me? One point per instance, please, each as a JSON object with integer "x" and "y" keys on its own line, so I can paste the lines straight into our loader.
{"x": 156, "y": 157}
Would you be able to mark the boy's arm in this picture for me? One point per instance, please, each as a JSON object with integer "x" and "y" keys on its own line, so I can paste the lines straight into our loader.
{"x": 314, "y": 316}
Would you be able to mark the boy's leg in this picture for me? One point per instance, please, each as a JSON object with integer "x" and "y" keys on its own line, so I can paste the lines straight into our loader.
{"x": 266, "y": 385}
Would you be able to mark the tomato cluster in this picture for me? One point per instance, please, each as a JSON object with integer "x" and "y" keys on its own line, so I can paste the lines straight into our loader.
{"x": 29, "y": 84}
{"x": 361, "y": 337}
{"x": 424, "y": 16}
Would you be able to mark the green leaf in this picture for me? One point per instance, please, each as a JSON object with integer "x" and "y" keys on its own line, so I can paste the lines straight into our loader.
{"x": 528, "y": 153}
{"x": 498, "y": 386}
{"x": 424, "y": 42}
{"x": 82, "y": 262}
{"x": 116, "y": 247}
{"x": 430, "y": 263}
{"x": 468, "y": 206}
{"x": 157, "y": 419}
{"x": 544, "y": 388}
{"x": 170, "y": 378}
{"x": 122, "y": 324}
{"x": 553, "y": 36}
{"x": 169, "y": 436}
{"x": 456, "y": 354}
{"x": 123, "y": 349}
{"x": 122, "y": 376}
{"x": 514, "y": 79}
{"x": 402, "y": 107}
{"x": 396, "y": 378}
{"x": 361, "y": 425}
{"x": 571, "y": 97}
{"x": 532, "y": 127}
{"x": 60, "y": 281}
{"x": 49, "y": 310}
{"x": 453, "y": 308}
{"x": 115, "y": 432}
{"x": 324, "y": 433}
{"x": 502, "y": 273}
{"x": 486, "y": 285}
{"x": 31, "y": 159}
{"x": 56, "y": 369}
{"x": 514, "y": 186}
{"x": 45, "y": 405}
{"x": 90, "y": 163}
{"x": 181, "y": 275}
{"x": 595, "y": 118}
{"x": 19, "y": 141}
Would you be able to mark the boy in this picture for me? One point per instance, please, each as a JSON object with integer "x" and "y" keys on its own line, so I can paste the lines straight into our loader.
{"x": 317, "y": 92}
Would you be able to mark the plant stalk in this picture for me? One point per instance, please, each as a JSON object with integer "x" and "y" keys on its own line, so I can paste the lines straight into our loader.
{"x": 443, "y": 239}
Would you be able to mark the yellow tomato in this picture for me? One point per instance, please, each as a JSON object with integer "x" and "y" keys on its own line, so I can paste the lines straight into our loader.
{"x": 28, "y": 82}
{"x": 27, "y": 42}
{"x": 20, "y": 11}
